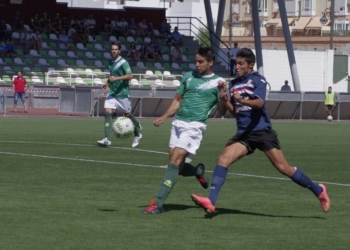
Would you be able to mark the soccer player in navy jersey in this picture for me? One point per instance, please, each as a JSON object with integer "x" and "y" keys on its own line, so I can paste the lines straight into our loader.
{"x": 254, "y": 131}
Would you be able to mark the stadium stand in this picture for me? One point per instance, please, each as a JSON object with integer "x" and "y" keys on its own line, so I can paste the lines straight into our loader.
{"x": 87, "y": 63}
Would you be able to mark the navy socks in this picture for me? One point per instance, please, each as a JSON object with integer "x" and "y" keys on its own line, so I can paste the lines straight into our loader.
{"x": 301, "y": 179}
{"x": 218, "y": 179}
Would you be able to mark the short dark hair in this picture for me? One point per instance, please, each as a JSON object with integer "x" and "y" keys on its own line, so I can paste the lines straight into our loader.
{"x": 247, "y": 54}
{"x": 286, "y": 81}
{"x": 117, "y": 43}
{"x": 206, "y": 52}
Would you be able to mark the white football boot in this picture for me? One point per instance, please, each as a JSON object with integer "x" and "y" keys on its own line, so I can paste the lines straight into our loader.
{"x": 105, "y": 142}
{"x": 136, "y": 141}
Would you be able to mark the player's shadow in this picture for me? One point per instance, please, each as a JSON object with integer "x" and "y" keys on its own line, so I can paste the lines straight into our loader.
{"x": 107, "y": 210}
{"x": 221, "y": 211}
{"x": 175, "y": 207}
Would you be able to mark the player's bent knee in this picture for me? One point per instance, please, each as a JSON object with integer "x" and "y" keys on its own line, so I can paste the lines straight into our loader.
{"x": 224, "y": 160}
{"x": 285, "y": 169}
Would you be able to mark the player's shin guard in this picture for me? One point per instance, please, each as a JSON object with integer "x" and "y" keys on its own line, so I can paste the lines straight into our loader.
{"x": 301, "y": 179}
{"x": 168, "y": 183}
{"x": 136, "y": 123}
{"x": 218, "y": 179}
{"x": 108, "y": 124}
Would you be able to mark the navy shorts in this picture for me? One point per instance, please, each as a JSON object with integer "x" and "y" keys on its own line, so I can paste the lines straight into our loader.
{"x": 264, "y": 140}
{"x": 21, "y": 95}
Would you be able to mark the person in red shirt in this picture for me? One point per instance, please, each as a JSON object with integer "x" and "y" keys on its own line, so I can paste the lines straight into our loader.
{"x": 19, "y": 90}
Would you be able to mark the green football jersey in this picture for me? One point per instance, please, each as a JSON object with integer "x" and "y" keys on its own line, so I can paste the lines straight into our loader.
{"x": 120, "y": 88}
{"x": 200, "y": 94}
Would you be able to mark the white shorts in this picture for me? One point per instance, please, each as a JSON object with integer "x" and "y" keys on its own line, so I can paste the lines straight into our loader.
{"x": 187, "y": 135}
{"x": 122, "y": 105}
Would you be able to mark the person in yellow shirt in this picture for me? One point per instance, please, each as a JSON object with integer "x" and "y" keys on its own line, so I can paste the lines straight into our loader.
{"x": 329, "y": 101}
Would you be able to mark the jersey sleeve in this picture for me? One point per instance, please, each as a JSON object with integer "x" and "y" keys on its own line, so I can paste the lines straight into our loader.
{"x": 182, "y": 88}
{"x": 260, "y": 88}
{"x": 126, "y": 68}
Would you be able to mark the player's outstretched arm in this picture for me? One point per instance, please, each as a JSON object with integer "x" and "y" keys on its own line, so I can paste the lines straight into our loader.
{"x": 224, "y": 103}
{"x": 174, "y": 106}
{"x": 106, "y": 89}
{"x": 116, "y": 78}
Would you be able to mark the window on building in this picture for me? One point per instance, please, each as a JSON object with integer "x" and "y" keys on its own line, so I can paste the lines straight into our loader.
{"x": 307, "y": 5}
{"x": 275, "y": 6}
{"x": 235, "y": 6}
{"x": 262, "y": 5}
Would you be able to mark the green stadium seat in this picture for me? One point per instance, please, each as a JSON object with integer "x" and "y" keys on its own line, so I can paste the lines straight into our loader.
{"x": 184, "y": 66}
{"x": 80, "y": 54}
{"x": 44, "y": 36}
{"x": 149, "y": 65}
{"x": 144, "y": 82}
{"x": 61, "y": 53}
{"x": 88, "y": 81}
{"x": 122, "y": 39}
{"x": 19, "y": 52}
{"x": 43, "y": 53}
{"x": 89, "y": 63}
{"x": 70, "y": 62}
{"x": 107, "y": 46}
{"x": 167, "y": 66}
{"x": 191, "y": 58}
{"x": 139, "y": 40}
{"x": 80, "y": 71}
{"x": 97, "y": 71}
{"x": 159, "y": 74}
{"x": 28, "y": 61}
{"x": 69, "y": 80}
{"x": 52, "y": 62}
{"x": 37, "y": 70}
{"x": 98, "y": 38}
{"x": 7, "y": 78}
{"x": 98, "y": 55}
{"x": 16, "y": 69}
{"x": 53, "y": 45}
{"x": 165, "y": 49}
{"x": 89, "y": 46}
{"x": 28, "y": 79}
{"x": 8, "y": 60}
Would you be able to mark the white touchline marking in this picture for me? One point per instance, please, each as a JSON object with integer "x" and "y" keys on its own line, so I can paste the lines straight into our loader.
{"x": 86, "y": 145}
{"x": 78, "y": 159}
{"x": 141, "y": 165}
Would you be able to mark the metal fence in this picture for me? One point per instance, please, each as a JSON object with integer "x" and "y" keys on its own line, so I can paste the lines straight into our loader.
{"x": 153, "y": 101}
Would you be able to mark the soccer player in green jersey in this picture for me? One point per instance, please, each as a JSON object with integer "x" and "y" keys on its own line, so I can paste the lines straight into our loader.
{"x": 118, "y": 97}
{"x": 196, "y": 96}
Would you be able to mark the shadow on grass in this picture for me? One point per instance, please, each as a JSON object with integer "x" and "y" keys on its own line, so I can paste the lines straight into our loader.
{"x": 174, "y": 207}
{"x": 221, "y": 211}
{"x": 107, "y": 210}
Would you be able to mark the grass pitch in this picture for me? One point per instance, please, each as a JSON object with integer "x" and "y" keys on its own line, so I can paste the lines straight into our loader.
{"x": 59, "y": 190}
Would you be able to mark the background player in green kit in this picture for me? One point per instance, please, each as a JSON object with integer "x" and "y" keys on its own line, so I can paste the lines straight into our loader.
{"x": 196, "y": 96}
{"x": 118, "y": 97}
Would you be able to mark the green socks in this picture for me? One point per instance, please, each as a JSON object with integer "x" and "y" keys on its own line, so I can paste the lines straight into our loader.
{"x": 108, "y": 124}
{"x": 168, "y": 183}
{"x": 136, "y": 123}
{"x": 189, "y": 170}
{"x": 114, "y": 116}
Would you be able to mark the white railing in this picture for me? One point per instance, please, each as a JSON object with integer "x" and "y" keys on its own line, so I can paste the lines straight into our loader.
{"x": 91, "y": 78}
